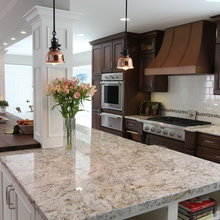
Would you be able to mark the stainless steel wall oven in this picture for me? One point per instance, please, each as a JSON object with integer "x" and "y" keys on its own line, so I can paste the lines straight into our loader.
{"x": 112, "y": 94}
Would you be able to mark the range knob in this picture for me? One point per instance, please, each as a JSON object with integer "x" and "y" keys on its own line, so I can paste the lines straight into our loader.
{"x": 165, "y": 132}
{"x": 179, "y": 135}
{"x": 152, "y": 129}
{"x": 146, "y": 128}
{"x": 171, "y": 133}
{"x": 158, "y": 131}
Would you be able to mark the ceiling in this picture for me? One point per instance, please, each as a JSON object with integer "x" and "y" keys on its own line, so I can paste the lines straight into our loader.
{"x": 101, "y": 17}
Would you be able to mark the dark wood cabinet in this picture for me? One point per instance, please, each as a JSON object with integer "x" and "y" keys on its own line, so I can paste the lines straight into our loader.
{"x": 96, "y": 59}
{"x": 107, "y": 57}
{"x": 150, "y": 44}
{"x": 106, "y": 52}
{"x": 208, "y": 147}
{"x": 166, "y": 142}
{"x": 117, "y": 47}
{"x": 111, "y": 52}
{"x": 134, "y": 130}
{"x": 217, "y": 56}
{"x": 96, "y": 100}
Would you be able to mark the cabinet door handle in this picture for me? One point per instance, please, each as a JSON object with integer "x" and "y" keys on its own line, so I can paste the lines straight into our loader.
{"x": 7, "y": 194}
{"x": 10, "y": 205}
{"x": 209, "y": 142}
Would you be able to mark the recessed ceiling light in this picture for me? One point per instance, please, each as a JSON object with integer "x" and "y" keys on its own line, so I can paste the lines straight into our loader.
{"x": 124, "y": 19}
{"x": 5, "y": 44}
{"x": 80, "y": 35}
{"x": 13, "y": 38}
{"x": 23, "y": 32}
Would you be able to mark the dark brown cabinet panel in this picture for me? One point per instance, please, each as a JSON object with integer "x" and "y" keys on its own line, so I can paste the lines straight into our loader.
{"x": 96, "y": 59}
{"x": 217, "y": 70}
{"x": 145, "y": 60}
{"x": 96, "y": 99}
{"x": 117, "y": 49}
{"x": 208, "y": 147}
{"x": 163, "y": 141}
{"x": 96, "y": 120}
{"x": 217, "y": 56}
{"x": 96, "y": 102}
{"x": 208, "y": 154}
{"x": 149, "y": 46}
{"x": 134, "y": 130}
{"x": 107, "y": 57}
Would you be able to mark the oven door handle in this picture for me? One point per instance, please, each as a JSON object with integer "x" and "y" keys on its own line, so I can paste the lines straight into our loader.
{"x": 111, "y": 115}
{"x": 110, "y": 83}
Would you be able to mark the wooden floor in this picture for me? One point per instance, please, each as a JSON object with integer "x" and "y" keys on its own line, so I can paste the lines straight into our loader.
{"x": 10, "y": 142}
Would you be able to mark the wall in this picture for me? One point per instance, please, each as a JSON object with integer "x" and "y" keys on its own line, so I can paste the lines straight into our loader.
{"x": 191, "y": 93}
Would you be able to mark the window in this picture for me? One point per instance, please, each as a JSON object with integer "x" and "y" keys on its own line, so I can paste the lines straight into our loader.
{"x": 19, "y": 89}
{"x": 85, "y": 76}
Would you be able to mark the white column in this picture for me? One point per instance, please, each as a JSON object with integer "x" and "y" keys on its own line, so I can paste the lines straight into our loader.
{"x": 2, "y": 73}
{"x": 48, "y": 126}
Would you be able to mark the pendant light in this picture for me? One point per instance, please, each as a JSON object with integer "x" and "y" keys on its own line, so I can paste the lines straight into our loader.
{"x": 54, "y": 56}
{"x": 125, "y": 62}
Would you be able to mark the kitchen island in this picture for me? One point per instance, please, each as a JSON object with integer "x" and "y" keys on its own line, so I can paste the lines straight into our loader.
{"x": 109, "y": 177}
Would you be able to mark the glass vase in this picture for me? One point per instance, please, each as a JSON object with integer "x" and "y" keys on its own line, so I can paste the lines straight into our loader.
{"x": 69, "y": 130}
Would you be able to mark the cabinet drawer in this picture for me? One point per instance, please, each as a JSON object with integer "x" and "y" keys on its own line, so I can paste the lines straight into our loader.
{"x": 208, "y": 153}
{"x": 133, "y": 125}
{"x": 208, "y": 141}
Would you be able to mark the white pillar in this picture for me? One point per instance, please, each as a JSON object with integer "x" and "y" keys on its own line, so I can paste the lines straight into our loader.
{"x": 2, "y": 73}
{"x": 48, "y": 126}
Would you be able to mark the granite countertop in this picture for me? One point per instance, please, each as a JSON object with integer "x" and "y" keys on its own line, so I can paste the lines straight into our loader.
{"x": 140, "y": 118}
{"x": 108, "y": 178}
{"x": 209, "y": 129}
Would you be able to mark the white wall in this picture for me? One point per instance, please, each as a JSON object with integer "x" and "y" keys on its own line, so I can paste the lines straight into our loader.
{"x": 193, "y": 92}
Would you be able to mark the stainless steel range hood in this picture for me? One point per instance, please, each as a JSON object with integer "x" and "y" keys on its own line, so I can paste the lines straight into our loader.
{"x": 186, "y": 49}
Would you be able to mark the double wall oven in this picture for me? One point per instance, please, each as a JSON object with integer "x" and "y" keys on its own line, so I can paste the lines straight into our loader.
{"x": 112, "y": 98}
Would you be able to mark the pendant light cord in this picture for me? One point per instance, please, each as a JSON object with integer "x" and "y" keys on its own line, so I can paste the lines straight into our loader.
{"x": 54, "y": 31}
{"x": 126, "y": 23}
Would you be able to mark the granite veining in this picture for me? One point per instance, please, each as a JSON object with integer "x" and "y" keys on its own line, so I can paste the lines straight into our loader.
{"x": 108, "y": 178}
{"x": 212, "y": 129}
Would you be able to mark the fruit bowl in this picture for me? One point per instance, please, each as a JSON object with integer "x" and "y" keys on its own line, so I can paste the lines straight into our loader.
{"x": 26, "y": 126}
{"x": 27, "y": 129}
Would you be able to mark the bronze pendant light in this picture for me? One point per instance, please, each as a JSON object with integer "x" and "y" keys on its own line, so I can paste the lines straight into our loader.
{"x": 54, "y": 56}
{"x": 125, "y": 62}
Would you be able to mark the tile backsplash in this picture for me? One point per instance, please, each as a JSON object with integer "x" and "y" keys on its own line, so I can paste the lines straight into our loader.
{"x": 192, "y": 92}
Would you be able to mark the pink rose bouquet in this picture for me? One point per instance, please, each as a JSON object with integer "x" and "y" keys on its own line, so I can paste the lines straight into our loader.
{"x": 69, "y": 94}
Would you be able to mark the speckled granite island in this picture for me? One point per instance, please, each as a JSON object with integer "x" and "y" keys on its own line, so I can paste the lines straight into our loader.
{"x": 108, "y": 178}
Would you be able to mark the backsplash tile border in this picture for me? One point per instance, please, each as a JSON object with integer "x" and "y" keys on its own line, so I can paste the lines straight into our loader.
{"x": 202, "y": 114}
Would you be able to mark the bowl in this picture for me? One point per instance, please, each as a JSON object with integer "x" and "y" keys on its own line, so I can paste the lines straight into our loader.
{"x": 26, "y": 129}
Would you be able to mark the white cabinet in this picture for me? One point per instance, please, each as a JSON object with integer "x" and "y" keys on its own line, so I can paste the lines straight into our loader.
{"x": 8, "y": 199}
{"x": 14, "y": 205}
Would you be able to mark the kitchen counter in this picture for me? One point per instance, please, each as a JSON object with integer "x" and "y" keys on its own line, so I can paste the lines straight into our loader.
{"x": 209, "y": 129}
{"x": 109, "y": 177}
{"x": 14, "y": 142}
{"x": 140, "y": 118}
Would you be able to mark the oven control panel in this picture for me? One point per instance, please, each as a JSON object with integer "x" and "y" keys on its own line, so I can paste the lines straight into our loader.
{"x": 168, "y": 131}
{"x": 112, "y": 76}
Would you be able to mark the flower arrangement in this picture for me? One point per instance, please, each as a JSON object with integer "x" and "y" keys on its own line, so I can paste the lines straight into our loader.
{"x": 69, "y": 95}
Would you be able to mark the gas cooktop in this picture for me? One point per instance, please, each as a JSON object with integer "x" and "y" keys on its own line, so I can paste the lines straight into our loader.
{"x": 179, "y": 121}
{"x": 171, "y": 127}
